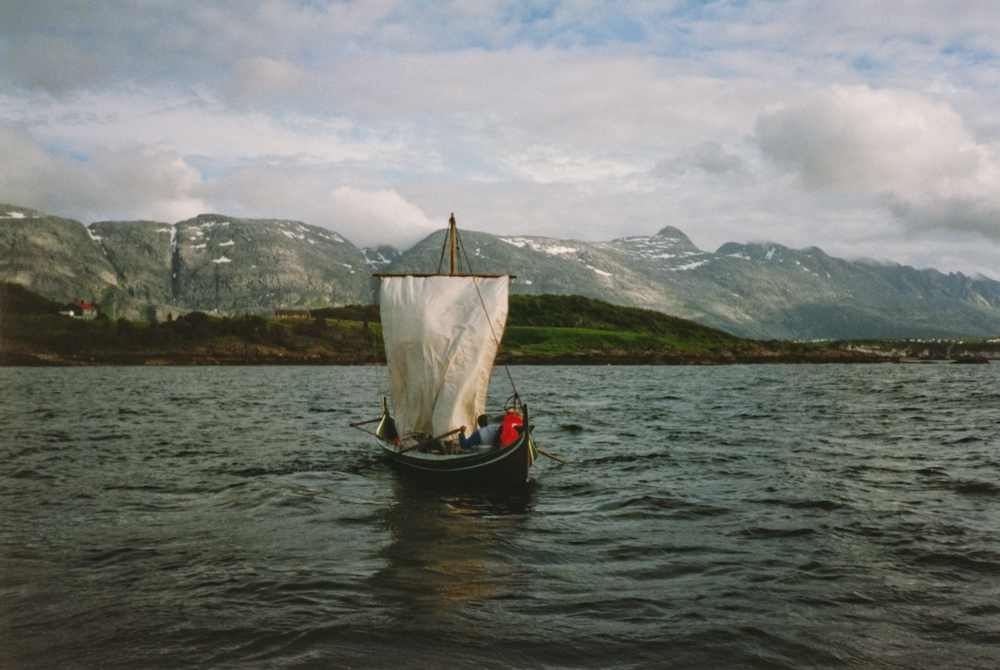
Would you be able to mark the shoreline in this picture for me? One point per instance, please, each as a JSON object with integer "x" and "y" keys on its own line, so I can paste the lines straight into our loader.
{"x": 22, "y": 359}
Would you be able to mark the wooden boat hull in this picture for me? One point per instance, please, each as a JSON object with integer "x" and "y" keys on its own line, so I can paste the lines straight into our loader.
{"x": 497, "y": 468}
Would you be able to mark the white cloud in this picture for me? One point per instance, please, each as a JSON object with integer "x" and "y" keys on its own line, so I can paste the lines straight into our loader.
{"x": 260, "y": 76}
{"x": 138, "y": 182}
{"x": 708, "y": 157}
{"x": 857, "y": 137}
{"x": 321, "y": 195}
{"x": 548, "y": 164}
{"x": 53, "y": 64}
{"x": 903, "y": 149}
{"x": 370, "y": 217}
{"x": 196, "y": 125}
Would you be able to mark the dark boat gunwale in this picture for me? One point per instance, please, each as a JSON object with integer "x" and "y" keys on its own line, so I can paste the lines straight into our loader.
{"x": 494, "y": 466}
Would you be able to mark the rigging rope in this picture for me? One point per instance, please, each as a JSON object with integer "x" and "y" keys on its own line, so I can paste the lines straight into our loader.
{"x": 489, "y": 319}
{"x": 443, "y": 247}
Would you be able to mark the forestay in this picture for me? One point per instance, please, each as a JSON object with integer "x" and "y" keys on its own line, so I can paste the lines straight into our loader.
{"x": 441, "y": 335}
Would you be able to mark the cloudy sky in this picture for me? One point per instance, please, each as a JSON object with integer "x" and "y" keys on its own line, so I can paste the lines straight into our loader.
{"x": 868, "y": 129}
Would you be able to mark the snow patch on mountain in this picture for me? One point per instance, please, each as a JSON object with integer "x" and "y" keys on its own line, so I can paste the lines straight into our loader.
{"x": 690, "y": 266}
{"x": 380, "y": 257}
{"x": 545, "y": 246}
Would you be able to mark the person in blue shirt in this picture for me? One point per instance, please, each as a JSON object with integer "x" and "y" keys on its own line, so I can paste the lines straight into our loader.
{"x": 486, "y": 434}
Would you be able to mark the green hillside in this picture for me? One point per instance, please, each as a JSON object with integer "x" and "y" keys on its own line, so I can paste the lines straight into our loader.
{"x": 15, "y": 299}
{"x": 568, "y": 311}
{"x": 573, "y": 311}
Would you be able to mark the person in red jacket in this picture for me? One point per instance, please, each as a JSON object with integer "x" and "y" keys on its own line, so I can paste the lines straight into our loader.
{"x": 511, "y": 428}
{"x": 504, "y": 434}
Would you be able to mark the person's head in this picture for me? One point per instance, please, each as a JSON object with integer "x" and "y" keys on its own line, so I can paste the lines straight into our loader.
{"x": 482, "y": 420}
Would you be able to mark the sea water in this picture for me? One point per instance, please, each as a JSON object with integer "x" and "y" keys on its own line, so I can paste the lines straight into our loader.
{"x": 739, "y": 517}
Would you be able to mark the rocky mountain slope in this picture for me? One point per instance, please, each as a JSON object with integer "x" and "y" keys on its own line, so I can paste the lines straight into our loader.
{"x": 380, "y": 257}
{"x": 246, "y": 265}
{"x": 52, "y": 256}
{"x": 761, "y": 290}
{"x": 209, "y": 263}
{"x": 140, "y": 253}
{"x": 230, "y": 265}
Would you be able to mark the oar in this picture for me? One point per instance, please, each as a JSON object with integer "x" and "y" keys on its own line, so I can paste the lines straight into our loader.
{"x": 433, "y": 439}
{"x": 552, "y": 456}
{"x": 545, "y": 453}
{"x": 365, "y": 430}
{"x": 363, "y": 423}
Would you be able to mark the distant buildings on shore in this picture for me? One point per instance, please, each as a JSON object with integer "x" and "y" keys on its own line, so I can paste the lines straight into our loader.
{"x": 292, "y": 314}
{"x": 80, "y": 309}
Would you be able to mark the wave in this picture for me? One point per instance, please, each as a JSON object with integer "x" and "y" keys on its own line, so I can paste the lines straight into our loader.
{"x": 972, "y": 487}
{"x": 30, "y": 473}
{"x": 663, "y": 506}
{"x": 824, "y": 505}
{"x": 980, "y": 562}
{"x": 765, "y": 533}
{"x": 629, "y": 458}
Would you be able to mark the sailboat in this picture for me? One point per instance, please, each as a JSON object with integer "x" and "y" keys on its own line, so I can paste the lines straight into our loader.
{"x": 442, "y": 332}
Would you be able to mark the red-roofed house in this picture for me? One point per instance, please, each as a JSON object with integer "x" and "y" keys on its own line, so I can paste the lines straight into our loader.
{"x": 81, "y": 309}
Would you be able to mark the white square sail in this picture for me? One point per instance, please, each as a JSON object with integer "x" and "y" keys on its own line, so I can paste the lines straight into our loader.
{"x": 441, "y": 337}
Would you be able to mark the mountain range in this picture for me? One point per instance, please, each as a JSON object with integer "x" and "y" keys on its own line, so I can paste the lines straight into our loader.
{"x": 218, "y": 263}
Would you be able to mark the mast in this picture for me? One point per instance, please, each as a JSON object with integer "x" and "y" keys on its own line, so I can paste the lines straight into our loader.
{"x": 453, "y": 242}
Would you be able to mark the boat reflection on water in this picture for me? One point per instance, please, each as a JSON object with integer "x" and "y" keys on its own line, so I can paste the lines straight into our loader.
{"x": 450, "y": 554}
